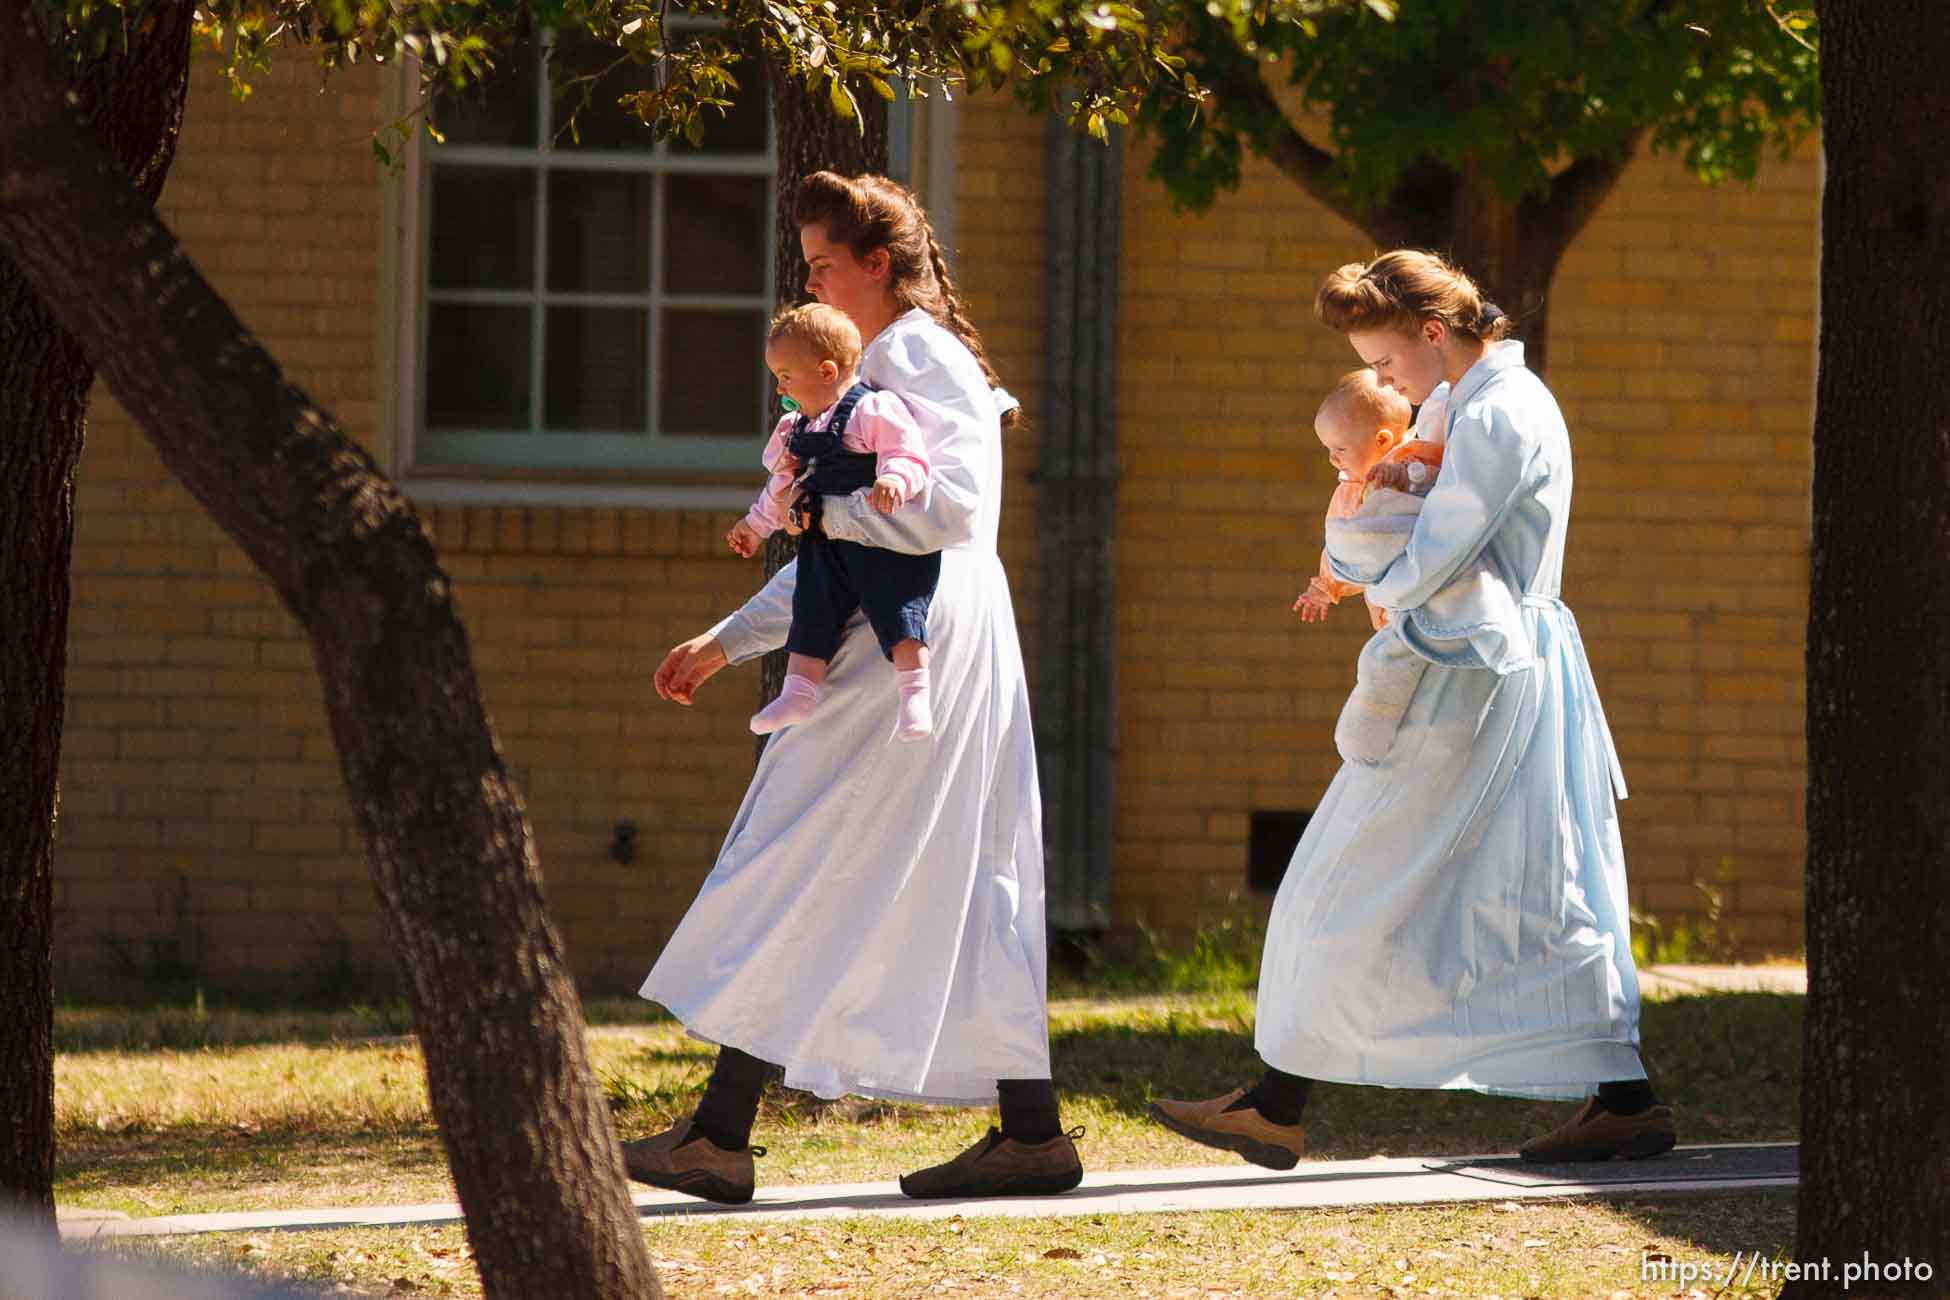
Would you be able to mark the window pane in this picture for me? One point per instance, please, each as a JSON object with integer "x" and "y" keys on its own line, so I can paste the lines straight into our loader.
{"x": 599, "y": 232}
{"x": 501, "y": 110}
{"x": 601, "y": 123}
{"x": 712, "y": 363}
{"x": 718, "y": 230}
{"x": 483, "y": 233}
{"x": 477, "y": 367}
{"x": 597, "y": 369}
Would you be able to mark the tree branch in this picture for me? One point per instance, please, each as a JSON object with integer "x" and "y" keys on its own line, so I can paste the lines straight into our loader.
{"x": 1280, "y": 142}
{"x": 1575, "y": 195}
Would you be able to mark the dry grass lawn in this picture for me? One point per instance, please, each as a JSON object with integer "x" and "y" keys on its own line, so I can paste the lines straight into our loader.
{"x": 1504, "y": 1252}
{"x": 172, "y": 1111}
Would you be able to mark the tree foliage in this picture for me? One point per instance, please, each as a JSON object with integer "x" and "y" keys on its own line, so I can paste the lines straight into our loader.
{"x": 1514, "y": 92}
{"x": 1098, "y": 61}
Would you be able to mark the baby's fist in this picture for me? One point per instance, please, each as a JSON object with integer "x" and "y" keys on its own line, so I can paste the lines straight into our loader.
{"x": 743, "y": 539}
{"x": 1389, "y": 474}
{"x": 889, "y": 494}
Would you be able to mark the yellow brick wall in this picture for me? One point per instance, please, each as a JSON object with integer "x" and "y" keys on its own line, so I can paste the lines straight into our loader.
{"x": 999, "y": 262}
{"x": 201, "y": 795}
{"x": 1681, "y": 349}
{"x": 197, "y": 766}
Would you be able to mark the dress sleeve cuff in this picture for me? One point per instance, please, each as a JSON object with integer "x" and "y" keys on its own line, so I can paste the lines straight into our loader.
{"x": 734, "y": 634}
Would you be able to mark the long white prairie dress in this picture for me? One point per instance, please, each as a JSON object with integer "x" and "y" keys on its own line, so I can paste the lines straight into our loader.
{"x": 1455, "y": 916}
{"x": 874, "y": 922}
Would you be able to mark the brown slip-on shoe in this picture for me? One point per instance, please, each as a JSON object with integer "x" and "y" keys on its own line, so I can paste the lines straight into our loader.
{"x": 682, "y": 1160}
{"x": 1244, "y": 1131}
{"x": 1001, "y": 1166}
{"x": 1595, "y": 1133}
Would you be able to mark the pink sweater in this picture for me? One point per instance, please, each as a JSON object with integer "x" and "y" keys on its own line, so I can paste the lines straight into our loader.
{"x": 881, "y": 424}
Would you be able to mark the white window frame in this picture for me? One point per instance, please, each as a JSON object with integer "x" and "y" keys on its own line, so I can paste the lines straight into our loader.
{"x": 921, "y": 143}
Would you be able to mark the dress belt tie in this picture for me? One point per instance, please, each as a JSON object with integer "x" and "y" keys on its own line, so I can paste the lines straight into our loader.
{"x": 1597, "y": 730}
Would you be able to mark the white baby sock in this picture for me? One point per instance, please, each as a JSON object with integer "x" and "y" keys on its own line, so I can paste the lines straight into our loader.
{"x": 916, "y": 713}
{"x": 798, "y": 697}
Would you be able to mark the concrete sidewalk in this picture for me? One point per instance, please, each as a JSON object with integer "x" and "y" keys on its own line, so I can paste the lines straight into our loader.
{"x": 1680, "y": 981}
{"x": 1414, "y": 1180}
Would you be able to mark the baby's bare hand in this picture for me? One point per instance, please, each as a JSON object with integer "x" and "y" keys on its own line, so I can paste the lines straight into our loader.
{"x": 1312, "y": 606}
{"x": 888, "y": 495}
{"x": 743, "y": 539}
{"x": 1389, "y": 474}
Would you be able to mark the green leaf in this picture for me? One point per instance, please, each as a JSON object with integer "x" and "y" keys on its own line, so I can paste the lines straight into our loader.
{"x": 842, "y": 101}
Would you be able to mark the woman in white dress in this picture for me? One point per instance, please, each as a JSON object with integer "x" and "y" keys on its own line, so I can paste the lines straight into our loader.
{"x": 874, "y": 923}
{"x": 1455, "y": 915}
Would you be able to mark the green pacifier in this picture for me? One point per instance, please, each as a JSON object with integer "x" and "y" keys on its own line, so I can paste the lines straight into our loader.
{"x": 788, "y": 404}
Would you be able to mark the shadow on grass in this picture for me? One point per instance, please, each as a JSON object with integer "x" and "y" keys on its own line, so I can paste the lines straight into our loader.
{"x": 161, "y": 1171}
{"x": 194, "y": 1025}
{"x": 1730, "y": 1063}
{"x": 1757, "y": 1222}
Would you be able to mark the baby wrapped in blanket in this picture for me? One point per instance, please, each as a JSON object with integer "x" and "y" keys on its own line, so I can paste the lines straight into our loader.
{"x": 1384, "y": 478}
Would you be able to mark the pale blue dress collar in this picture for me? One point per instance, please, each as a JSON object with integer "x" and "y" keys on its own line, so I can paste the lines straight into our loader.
{"x": 1496, "y": 358}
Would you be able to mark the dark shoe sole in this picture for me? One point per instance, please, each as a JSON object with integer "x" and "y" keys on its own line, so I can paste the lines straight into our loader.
{"x": 1638, "y": 1147}
{"x": 1263, "y": 1154}
{"x": 1021, "y": 1185}
{"x": 698, "y": 1183}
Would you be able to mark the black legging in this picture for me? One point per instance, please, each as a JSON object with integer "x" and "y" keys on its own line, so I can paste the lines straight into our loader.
{"x": 730, "y": 1103}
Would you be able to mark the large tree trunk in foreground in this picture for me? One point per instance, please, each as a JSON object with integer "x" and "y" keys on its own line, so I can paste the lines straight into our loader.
{"x": 1875, "y": 1130}
{"x": 811, "y": 138}
{"x": 135, "y": 102}
{"x": 526, "y": 1130}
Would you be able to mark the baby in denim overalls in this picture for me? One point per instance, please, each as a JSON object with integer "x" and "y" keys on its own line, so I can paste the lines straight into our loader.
{"x": 843, "y": 437}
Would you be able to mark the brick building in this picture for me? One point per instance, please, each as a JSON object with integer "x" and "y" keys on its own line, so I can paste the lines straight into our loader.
{"x": 200, "y": 793}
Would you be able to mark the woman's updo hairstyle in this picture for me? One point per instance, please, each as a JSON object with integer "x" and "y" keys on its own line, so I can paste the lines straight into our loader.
{"x": 1400, "y": 290}
{"x": 869, "y": 212}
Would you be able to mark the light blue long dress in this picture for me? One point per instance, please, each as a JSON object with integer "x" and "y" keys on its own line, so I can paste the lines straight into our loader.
{"x": 1455, "y": 916}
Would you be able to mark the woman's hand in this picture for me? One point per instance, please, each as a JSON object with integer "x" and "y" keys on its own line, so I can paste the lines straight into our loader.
{"x": 688, "y": 665}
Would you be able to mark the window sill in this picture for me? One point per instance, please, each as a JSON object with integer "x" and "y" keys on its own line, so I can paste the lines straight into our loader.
{"x": 608, "y": 496}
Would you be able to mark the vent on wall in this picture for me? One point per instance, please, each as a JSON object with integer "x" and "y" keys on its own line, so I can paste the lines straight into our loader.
{"x": 1273, "y": 837}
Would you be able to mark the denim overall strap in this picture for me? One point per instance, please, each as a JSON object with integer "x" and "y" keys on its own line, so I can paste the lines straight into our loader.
{"x": 829, "y": 470}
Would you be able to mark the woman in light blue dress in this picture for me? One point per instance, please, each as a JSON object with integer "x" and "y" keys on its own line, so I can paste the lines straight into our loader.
{"x": 1455, "y": 915}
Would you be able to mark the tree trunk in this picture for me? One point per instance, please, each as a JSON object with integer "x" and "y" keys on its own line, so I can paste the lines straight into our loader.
{"x": 526, "y": 1130}
{"x": 135, "y": 101}
{"x": 811, "y": 137}
{"x": 1496, "y": 242}
{"x": 1875, "y": 1133}
{"x": 1511, "y": 249}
